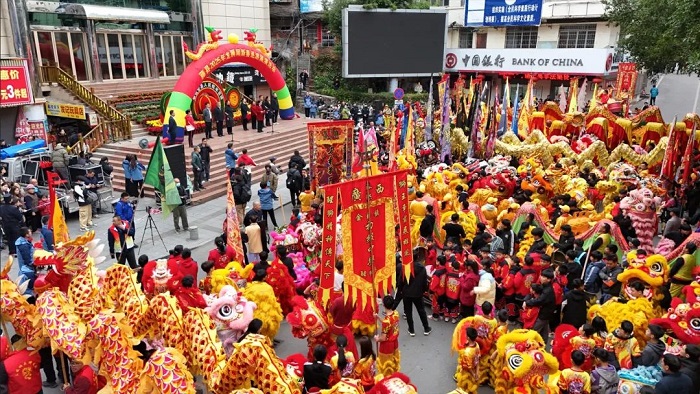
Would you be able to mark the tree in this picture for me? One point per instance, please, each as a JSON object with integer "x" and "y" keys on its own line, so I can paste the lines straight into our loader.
{"x": 658, "y": 33}
{"x": 333, "y": 9}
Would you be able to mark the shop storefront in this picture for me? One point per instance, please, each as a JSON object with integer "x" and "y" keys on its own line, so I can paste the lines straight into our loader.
{"x": 20, "y": 118}
{"x": 551, "y": 68}
{"x": 95, "y": 43}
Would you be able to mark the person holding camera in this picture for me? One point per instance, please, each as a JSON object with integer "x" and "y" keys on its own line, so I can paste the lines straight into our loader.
{"x": 120, "y": 237}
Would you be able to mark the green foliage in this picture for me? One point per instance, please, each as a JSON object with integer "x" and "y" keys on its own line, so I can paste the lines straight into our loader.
{"x": 658, "y": 33}
{"x": 290, "y": 79}
{"x": 354, "y": 96}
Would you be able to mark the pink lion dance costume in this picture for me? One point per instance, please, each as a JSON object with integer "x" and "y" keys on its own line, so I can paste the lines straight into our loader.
{"x": 231, "y": 312}
{"x": 640, "y": 205}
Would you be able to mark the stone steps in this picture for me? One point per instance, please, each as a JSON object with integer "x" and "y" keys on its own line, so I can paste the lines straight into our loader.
{"x": 281, "y": 144}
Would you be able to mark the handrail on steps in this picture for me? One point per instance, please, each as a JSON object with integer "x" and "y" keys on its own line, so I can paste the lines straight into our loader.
{"x": 105, "y": 131}
{"x": 116, "y": 124}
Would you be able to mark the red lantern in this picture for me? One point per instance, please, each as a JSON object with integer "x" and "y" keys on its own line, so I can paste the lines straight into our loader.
{"x": 597, "y": 80}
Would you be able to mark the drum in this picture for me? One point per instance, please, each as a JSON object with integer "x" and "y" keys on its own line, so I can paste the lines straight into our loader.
{"x": 558, "y": 257}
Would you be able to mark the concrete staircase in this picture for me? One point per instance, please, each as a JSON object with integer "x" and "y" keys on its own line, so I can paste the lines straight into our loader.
{"x": 110, "y": 90}
{"x": 288, "y": 136}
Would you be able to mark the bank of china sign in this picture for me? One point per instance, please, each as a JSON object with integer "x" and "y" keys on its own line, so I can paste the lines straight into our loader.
{"x": 573, "y": 61}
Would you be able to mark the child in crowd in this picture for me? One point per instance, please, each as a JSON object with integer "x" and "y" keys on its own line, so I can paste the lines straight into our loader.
{"x": 431, "y": 254}
{"x": 467, "y": 375}
{"x": 623, "y": 344}
{"x": 187, "y": 265}
{"x": 189, "y": 296}
{"x": 205, "y": 284}
{"x": 306, "y": 200}
{"x": 575, "y": 380}
{"x": 654, "y": 349}
{"x": 366, "y": 367}
{"x": 295, "y": 219}
{"x": 585, "y": 343}
{"x": 559, "y": 285}
{"x": 343, "y": 361}
{"x": 601, "y": 331}
{"x": 452, "y": 292}
{"x": 604, "y": 378}
{"x": 529, "y": 314}
{"x": 388, "y": 359}
{"x": 438, "y": 285}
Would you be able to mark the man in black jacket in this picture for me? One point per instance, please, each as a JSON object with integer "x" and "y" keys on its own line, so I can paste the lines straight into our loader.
{"x": 205, "y": 152}
{"x": 244, "y": 114}
{"x": 172, "y": 128}
{"x": 413, "y": 291}
{"x": 275, "y": 106}
{"x": 546, "y": 302}
{"x": 295, "y": 182}
{"x": 219, "y": 119}
{"x": 298, "y": 160}
{"x": 12, "y": 220}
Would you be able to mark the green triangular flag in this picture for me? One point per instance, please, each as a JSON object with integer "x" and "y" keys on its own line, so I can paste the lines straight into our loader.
{"x": 161, "y": 178}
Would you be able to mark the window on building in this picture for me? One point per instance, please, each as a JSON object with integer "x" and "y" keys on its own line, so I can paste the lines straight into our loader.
{"x": 521, "y": 37}
{"x": 328, "y": 39}
{"x": 439, "y": 3}
{"x": 465, "y": 38}
{"x": 577, "y": 36}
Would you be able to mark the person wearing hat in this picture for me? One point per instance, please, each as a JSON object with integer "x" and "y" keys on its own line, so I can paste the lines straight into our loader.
{"x": 674, "y": 222}
{"x": 563, "y": 218}
{"x": 31, "y": 202}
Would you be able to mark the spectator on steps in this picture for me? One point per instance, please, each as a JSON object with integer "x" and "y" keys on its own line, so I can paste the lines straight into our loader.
{"x": 59, "y": 158}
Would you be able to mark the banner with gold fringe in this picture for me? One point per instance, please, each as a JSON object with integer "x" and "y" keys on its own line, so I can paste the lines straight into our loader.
{"x": 403, "y": 219}
{"x": 328, "y": 242}
{"x": 330, "y": 151}
{"x": 372, "y": 207}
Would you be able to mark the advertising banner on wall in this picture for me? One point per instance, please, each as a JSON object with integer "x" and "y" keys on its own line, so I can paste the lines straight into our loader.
{"x": 62, "y": 110}
{"x": 592, "y": 61}
{"x": 479, "y": 13}
{"x": 15, "y": 88}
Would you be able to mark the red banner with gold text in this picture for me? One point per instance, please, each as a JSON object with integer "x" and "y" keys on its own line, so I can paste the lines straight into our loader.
{"x": 328, "y": 242}
{"x": 402, "y": 218}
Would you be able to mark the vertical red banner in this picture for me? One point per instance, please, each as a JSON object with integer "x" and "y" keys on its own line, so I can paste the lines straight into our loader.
{"x": 328, "y": 242}
{"x": 380, "y": 194}
{"x": 403, "y": 219}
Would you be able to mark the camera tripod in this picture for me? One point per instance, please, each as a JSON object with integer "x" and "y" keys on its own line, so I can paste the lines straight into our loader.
{"x": 150, "y": 225}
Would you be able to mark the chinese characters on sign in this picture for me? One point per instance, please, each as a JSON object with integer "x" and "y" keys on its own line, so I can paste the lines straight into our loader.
{"x": 503, "y": 13}
{"x": 626, "y": 81}
{"x": 590, "y": 61}
{"x": 14, "y": 86}
{"x": 65, "y": 110}
{"x": 241, "y": 76}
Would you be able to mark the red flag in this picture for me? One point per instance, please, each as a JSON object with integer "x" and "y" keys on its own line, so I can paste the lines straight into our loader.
{"x": 403, "y": 219}
{"x": 328, "y": 242}
{"x": 667, "y": 164}
{"x": 233, "y": 229}
{"x": 688, "y": 157}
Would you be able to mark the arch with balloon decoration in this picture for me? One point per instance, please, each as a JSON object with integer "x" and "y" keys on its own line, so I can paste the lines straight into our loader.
{"x": 208, "y": 57}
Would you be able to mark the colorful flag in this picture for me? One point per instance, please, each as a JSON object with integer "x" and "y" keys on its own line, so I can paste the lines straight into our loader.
{"x": 573, "y": 96}
{"x": 688, "y": 157}
{"x": 326, "y": 270}
{"x": 57, "y": 222}
{"x": 161, "y": 178}
{"x": 475, "y": 139}
{"x": 514, "y": 124}
{"x": 667, "y": 170}
{"x": 233, "y": 228}
{"x": 445, "y": 109}
{"x": 503, "y": 124}
{"x": 594, "y": 99}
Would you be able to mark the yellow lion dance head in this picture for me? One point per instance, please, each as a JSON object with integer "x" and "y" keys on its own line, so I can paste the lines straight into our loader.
{"x": 523, "y": 362}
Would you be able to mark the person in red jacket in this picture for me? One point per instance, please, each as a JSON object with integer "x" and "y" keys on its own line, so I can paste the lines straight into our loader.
{"x": 467, "y": 282}
{"x": 525, "y": 278}
{"x": 189, "y": 296}
{"x": 222, "y": 254}
{"x": 452, "y": 292}
{"x": 176, "y": 254}
{"x": 259, "y": 114}
{"x": 22, "y": 368}
{"x": 84, "y": 381}
{"x": 245, "y": 159}
{"x": 187, "y": 265}
{"x": 508, "y": 287}
{"x": 431, "y": 255}
{"x": 437, "y": 287}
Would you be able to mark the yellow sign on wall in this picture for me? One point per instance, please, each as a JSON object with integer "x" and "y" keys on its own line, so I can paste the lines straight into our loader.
{"x": 65, "y": 110}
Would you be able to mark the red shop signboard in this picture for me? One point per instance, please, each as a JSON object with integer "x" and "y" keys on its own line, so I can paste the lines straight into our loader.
{"x": 15, "y": 88}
